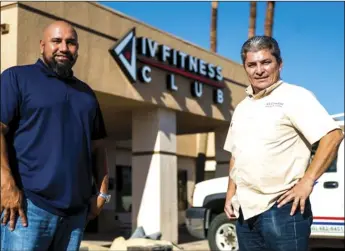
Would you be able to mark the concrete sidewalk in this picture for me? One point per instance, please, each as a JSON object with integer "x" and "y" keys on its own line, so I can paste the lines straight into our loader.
{"x": 103, "y": 241}
{"x": 104, "y": 246}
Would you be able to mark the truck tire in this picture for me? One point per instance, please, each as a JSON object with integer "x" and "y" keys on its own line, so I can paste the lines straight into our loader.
{"x": 222, "y": 234}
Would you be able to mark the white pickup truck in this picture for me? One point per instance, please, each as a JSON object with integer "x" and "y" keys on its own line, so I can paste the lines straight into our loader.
{"x": 206, "y": 217}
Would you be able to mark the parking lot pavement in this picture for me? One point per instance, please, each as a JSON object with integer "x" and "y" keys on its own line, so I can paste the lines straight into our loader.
{"x": 203, "y": 246}
{"x": 187, "y": 246}
{"x": 195, "y": 245}
{"x": 187, "y": 242}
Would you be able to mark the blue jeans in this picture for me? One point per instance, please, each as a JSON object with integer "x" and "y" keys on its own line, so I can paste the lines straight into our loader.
{"x": 276, "y": 230}
{"x": 45, "y": 231}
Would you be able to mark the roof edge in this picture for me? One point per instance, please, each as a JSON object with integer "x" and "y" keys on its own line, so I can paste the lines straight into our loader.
{"x": 6, "y": 5}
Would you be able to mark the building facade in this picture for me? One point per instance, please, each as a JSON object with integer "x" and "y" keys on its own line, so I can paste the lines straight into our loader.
{"x": 165, "y": 102}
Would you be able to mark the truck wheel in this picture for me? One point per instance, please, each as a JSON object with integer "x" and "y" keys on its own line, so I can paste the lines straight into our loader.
{"x": 222, "y": 234}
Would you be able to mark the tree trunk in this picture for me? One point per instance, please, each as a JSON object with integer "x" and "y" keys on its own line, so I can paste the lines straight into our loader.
{"x": 203, "y": 137}
{"x": 213, "y": 34}
{"x": 252, "y": 19}
{"x": 269, "y": 18}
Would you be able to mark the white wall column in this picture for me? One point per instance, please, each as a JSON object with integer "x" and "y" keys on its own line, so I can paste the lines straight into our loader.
{"x": 154, "y": 172}
{"x": 222, "y": 156}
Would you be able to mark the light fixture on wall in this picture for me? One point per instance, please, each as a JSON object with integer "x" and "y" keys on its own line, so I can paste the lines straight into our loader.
{"x": 5, "y": 28}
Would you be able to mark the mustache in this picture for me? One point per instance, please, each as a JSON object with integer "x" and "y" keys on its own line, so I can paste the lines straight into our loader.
{"x": 68, "y": 55}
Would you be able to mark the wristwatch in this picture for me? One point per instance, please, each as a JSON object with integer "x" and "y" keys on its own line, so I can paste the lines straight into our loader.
{"x": 105, "y": 196}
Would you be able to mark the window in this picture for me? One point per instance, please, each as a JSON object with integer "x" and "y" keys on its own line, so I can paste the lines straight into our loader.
{"x": 209, "y": 175}
{"x": 182, "y": 190}
{"x": 123, "y": 188}
{"x": 332, "y": 167}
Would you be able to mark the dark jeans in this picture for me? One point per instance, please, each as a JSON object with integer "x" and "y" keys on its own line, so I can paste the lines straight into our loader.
{"x": 45, "y": 231}
{"x": 276, "y": 230}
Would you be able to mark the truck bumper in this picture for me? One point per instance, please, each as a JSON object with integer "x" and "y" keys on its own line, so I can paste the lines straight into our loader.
{"x": 196, "y": 221}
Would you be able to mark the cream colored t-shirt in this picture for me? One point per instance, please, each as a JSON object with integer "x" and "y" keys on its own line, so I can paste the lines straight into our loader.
{"x": 270, "y": 137}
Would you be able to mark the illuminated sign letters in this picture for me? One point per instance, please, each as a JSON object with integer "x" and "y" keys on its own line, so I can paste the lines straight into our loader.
{"x": 129, "y": 49}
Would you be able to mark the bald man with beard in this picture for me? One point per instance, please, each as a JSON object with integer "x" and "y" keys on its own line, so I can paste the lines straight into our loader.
{"x": 51, "y": 128}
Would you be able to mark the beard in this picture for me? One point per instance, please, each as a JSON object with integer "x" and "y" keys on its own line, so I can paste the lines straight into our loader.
{"x": 63, "y": 68}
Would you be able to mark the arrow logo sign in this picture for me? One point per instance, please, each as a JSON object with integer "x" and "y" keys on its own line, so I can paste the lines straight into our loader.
{"x": 124, "y": 52}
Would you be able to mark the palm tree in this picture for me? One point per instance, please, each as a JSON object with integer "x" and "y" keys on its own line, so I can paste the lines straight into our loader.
{"x": 269, "y": 18}
{"x": 252, "y": 19}
{"x": 213, "y": 34}
{"x": 202, "y": 138}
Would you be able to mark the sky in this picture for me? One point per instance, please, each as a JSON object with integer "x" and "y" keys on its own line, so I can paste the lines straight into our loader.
{"x": 310, "y": 35}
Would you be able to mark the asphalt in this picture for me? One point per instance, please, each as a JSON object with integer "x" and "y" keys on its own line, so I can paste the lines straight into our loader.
{"x": 100, "y": 242}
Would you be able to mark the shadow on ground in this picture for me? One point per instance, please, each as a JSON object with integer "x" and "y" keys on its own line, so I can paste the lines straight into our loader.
{"x": 183, "y": 236}
{"x": 189, "y": 242}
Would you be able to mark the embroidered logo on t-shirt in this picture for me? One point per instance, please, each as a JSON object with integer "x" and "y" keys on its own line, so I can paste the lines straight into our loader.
{"x": 274, "y": 104}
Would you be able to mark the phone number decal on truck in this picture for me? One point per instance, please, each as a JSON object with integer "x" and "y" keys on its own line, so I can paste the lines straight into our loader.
{"x": 327, "y": 229}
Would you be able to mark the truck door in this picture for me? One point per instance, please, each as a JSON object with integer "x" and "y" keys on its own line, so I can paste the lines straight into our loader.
{"x": 327, "y": 200}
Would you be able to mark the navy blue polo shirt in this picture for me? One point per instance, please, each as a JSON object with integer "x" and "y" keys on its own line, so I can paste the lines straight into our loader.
{"x": 52, "y": 122}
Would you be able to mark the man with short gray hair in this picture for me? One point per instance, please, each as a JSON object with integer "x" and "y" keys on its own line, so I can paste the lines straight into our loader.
{"x": 270, "y": 138}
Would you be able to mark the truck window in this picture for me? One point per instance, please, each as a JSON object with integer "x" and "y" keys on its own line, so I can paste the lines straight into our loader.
{"x": 332, "y": 167}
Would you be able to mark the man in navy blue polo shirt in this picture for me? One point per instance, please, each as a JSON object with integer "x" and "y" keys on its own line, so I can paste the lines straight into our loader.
{"x": 51, "y": 124}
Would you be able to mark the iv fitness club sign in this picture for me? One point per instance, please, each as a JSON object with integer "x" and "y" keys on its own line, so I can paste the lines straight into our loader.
{"x": 129, "y": 49}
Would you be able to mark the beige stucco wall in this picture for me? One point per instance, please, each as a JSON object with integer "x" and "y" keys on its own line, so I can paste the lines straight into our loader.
{"x": 186, "y": 145}
{"x": 9, "y": 15}
{"x": 96, "y": 25}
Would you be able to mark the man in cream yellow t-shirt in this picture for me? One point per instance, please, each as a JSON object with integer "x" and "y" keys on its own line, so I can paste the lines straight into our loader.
{"x": 270, "y": 138}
